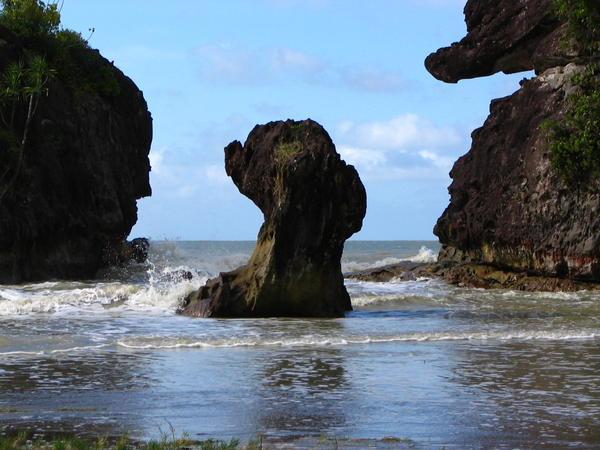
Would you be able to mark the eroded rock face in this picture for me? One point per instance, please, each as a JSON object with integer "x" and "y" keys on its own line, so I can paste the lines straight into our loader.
{"x": 504, "y": 36}
{"x": 84, "y": 168}
{"x": 508, "y": 208}
{"x": 312, "y": 203}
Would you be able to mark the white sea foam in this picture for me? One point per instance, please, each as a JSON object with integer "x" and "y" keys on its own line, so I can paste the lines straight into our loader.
{"x": 365, "y": 293}
{"x": 161, "y": 296}
{"x": 368, "y": 300}
{"x": 316, "y": 341}
{"x": 79, "y": 349}
{"x": 155, "y": 297}
{"x": 170, "y": 343}
{"x": 69, "y": 296}
{"x": 166, "y": 255}
{"x": 425, "y": 255}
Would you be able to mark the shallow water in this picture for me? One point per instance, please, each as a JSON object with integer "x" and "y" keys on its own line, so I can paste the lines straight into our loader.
{"x": 420, "y": 360}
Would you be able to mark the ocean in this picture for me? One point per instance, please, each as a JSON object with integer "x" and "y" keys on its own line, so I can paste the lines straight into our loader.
{"x": 430, "y": 364}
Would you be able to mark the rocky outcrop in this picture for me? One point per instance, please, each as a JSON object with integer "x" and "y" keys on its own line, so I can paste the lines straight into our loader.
{"x": 84, "y": 167}
{"x": 504, "y": 36}
{"x": 482, "y": 276}
{"x": 508, "y": 208}
{"x": 486, "y": 276}
{"x": 135, "y": 250}
{"x": 312, "y": 203}
{"x": 402, "y": 271}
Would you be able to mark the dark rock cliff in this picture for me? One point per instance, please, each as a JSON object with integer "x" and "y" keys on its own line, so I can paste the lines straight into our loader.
{"x": 312, "y": 203}
{"x": 508, "y": 207}
{"x": 503, "y": 36}
{"x": 84, "y": 167}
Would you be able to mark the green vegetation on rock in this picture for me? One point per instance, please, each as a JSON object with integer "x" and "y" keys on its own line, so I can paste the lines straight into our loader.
{"x": 575, "y": 140}
{"x": 42, "y": 51}
{"x": 37, "y": 24}
{"x": 31, "y": 20}
{"x": 22, "y": 86}
{"x": 583, "y": 19}
{"x": 285, "y": 152}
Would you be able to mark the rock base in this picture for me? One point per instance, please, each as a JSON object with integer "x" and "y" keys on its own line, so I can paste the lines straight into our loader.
{"x": 473, "y": 275}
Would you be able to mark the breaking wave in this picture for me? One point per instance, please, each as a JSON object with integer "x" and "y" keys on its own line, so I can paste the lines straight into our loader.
{"x": 318, "y": 341}
{"x": 158, "y": 287}
{"x": 156, "y": 296}
{"x": 425, "y": 255}
{"x": 175, "y": 343}
{"x": 170, "y": 343}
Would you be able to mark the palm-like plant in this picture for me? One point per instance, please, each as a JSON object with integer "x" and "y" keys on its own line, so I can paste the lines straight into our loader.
{"x": 37, "y": 76}
{"x": 29, "y": 84}
{"x": 11, "y": 91}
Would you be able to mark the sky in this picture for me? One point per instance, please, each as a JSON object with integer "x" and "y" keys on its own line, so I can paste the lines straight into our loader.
{"x": 212, "y": 69}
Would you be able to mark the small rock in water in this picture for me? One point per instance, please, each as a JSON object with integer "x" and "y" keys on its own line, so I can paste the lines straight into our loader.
{"x": 139, "y": 249}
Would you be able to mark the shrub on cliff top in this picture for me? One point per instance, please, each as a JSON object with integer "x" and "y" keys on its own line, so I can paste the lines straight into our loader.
{"x": 37, "y": 23}
{"x": 575, "y": 140}
{"x": 46, "y": 51}
{"x": 583, "y": 19}
{"x": 30, "y": 19}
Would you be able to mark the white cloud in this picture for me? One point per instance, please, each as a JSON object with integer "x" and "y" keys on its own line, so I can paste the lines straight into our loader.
{"x": 186, "y": 190}
{"x": 404, "y": 147}
{"x": 226, "y": 63}
{"x": 362, "y": 157}
{"x": 131, "y": 55}
{"x": 269, "y": 109}
{"x": 156, "y": 160}
{"x": 231, "y": 64}
{"x": 285, "y": 59}
{"x": 238, "y": 65}
{"x": 372, "y": 80}
{"x": 443, "y": 162}
{"x": 401, "y": 172}
{"x": 401, "y": 133}
{"x": 175, "y": 178}
{"x": 215, "y": 174}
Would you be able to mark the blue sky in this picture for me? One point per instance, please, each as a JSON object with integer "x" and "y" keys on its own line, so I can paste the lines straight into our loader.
{"x": 212, "y": 69}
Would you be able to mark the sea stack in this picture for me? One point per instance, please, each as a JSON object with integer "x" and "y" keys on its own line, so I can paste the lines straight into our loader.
{"x": 68, "y": 197}
{"x": 510, "y": 207}
{"x": 312, "y": 203}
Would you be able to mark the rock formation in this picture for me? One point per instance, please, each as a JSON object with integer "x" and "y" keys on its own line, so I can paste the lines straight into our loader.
{"x": 504, "y": 36}
{"x": 312, "y": 203}
{"x": 482, "y": 276}
{"x": 86, "y": 163}
{"x": 508, "y": 207}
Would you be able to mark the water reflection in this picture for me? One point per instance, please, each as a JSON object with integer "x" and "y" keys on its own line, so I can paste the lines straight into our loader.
{"x": 307, "y": 377}
{"x": 302, "y": 392}
{"x": 72, "y": 393}
{"x": 543, "y": 393}
{"x": 100, "y": 370}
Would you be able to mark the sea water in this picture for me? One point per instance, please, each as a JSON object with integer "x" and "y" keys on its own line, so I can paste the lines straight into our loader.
{"x": 431, "y": 364}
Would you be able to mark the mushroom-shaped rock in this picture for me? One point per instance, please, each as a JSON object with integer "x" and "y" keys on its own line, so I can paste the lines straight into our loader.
{"x": 312, "y": 202}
